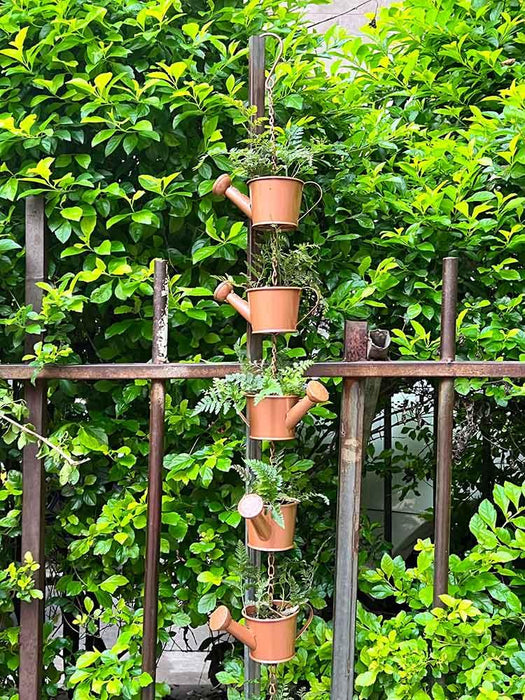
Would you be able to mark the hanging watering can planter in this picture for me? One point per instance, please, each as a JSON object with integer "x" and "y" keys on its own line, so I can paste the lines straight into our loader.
{"x": 271, "y": 641}
{"x": 274, "y": 201}
{"x": 268, "y": 309}
{"x": 264, "y": 533}
{"x": 275, "y": 417}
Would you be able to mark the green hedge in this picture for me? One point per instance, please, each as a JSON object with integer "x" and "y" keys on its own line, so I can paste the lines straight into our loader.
{"x": 121, "y": 114}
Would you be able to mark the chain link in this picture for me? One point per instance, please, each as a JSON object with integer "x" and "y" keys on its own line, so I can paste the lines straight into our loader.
{"x": 273, "y": 365}
{"x": 275, "y": 280}
{"x": 274, "y": 246}
{"x": 272, "y": 681}
{"x": 271, "y": 118}
{"x": 271, "y": 576}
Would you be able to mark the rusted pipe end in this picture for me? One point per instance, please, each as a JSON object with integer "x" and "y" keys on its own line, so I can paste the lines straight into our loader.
{"x": 378, "y": 345}
{"x": 220, "y": 619}
{"x": 221, "y": 184}
{"x": 250, "y": 506}
{"x": 222, "y": 291}
{"x": 317, "y": 392}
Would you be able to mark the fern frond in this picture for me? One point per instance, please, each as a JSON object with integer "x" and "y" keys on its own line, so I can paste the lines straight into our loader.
{"x": 268, "y": 480}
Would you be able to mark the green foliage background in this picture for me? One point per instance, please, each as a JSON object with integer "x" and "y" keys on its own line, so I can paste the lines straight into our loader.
{"x": 121, "y": 114}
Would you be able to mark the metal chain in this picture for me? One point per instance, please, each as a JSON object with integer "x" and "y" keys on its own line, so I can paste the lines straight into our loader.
{"x": 274, "y": 356}
{"x": 274, "y": 245}
{"x": 271, "y": 576}
{"x": 275, "y": 279}
{"x": 272, "y": 681}
{"x": 271, "y": 118}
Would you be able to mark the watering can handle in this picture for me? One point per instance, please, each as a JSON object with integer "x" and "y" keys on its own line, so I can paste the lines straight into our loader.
{"x": 312, "y": 182}
{"x": 308, "y": 621}
{"x": 313, "y": 309}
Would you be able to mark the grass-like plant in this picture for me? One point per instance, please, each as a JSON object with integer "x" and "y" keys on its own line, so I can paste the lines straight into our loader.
{"x": 294, "y": 266}
{"x": 287, "y": 156}
{"x": 292, "y": 585}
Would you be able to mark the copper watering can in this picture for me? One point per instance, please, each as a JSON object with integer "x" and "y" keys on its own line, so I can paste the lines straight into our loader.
{"x": 269, "y": 641}
{"x": 268, "y": 309}
{"x": 275, "y": 417}
{"x": 264, "y": 534}
{"x": 274, "y": 201}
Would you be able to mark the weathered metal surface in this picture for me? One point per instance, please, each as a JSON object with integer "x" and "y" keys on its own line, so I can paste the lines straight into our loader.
{"x": 257, "y": 79}
{"x": 201, "y": 370}
{"x": 33, "y": 475}
{"x": 155, "y": 461}
{"x": 257, "y": 90}
{"x": 387, "y": 481}
{"x": 378, "y": 348}
{"x": 351, "y": 447}
{"x": 445, "y": 426}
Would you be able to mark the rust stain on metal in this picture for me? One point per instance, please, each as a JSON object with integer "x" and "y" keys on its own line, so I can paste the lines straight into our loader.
{"x": 161, "y": 335}
{"x": 348, "y": 509}
{"x": 33, "y": 476}
{"x": 155, "y": 462}
{"x": 204, "y": 370}
{"x": 445, "y": 426}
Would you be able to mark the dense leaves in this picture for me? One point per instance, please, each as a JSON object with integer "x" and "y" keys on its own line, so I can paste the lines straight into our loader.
{"x": 121, "y": 114}
{"x": 471, "y": 648}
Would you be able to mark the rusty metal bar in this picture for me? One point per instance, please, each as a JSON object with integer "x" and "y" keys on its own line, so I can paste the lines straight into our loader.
{"x": 202, "y": 370}
{"x": 445, "y": 426}
{"x": 257, "y": 79}
{"x": 387, "y": 480}
{"x": 378, "y": 348}
{"x": 257, "y": 89}
{"x": 351, "y": 449}
{"x": 155, "y": 461}
{"x": 33, "y": 474}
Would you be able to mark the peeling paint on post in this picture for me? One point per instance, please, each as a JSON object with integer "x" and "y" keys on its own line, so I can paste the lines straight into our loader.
{"x": 348, "y": 510}
{"x": 155, "y": 462}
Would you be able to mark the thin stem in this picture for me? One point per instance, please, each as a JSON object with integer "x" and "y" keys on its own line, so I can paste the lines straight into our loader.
{"x": 42, "y": 439}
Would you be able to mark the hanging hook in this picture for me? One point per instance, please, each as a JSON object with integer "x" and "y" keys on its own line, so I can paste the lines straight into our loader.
{"x": 278, "y": 57}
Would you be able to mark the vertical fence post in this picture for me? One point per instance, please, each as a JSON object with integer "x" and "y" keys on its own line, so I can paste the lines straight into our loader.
{"x": 387, "y": 480}
{"x": 155, "y": 461}
{"x": 351, "y": 450}
{"x": 257, "y": 91}
{"x": 445, "y": 425}
{"x": 33, "y": 475}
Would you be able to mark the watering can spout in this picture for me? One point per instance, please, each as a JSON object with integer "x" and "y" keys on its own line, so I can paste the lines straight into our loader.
{"x": 224, "y": 188}
{"x": 251, "y": 507}
{"x": 221, "y": 621}
{"x": 224, "y": 292}
{"x": 315, "y": 393}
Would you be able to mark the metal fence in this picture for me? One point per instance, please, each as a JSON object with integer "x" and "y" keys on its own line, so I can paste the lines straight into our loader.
{"x": 355, "y": 368}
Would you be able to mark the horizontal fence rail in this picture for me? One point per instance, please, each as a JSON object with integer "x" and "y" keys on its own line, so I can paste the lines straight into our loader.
{"x": 201, "y": 370}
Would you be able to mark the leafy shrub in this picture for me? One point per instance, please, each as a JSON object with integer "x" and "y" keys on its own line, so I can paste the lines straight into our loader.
{"x": 470, "y": 649}
{"x": 121, "y": 115}
{"x": 473, "y": 645}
